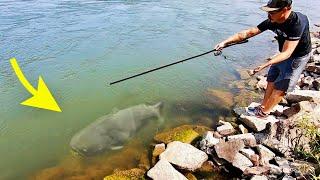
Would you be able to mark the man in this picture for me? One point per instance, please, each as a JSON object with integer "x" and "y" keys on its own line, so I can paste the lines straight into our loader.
{"x": 292, "y": 29}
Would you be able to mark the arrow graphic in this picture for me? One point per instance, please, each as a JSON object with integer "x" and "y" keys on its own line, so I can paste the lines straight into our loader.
{"x": 42, "y": 97}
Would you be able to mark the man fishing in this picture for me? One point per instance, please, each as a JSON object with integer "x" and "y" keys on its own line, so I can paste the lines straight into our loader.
{"x": 292, "y": 29}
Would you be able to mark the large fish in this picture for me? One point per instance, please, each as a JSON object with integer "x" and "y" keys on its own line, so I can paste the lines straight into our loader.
{"x": 113, "y": 130}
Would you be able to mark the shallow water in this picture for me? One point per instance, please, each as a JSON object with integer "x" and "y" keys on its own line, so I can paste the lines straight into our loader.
{"x": 79, "y": 47}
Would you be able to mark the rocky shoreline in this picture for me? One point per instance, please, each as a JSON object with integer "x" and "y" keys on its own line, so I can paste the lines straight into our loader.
{"x": 283, "y": 146}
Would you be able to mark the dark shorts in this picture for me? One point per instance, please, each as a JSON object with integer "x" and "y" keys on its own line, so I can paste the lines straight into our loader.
{"x": 286, "y": 74}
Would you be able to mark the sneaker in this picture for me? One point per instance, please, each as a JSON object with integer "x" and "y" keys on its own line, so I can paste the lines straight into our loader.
{"x": 257, "y": 112}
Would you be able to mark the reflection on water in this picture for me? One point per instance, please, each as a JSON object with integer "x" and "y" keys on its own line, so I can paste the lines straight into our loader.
{"x": 79, "y": 47}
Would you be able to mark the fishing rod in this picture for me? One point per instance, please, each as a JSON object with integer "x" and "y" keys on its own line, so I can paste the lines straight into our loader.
{"x": 217, "y": 52}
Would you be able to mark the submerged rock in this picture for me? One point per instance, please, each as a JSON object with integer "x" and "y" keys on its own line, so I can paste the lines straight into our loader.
{"x": 222, "y": 97}
{"x": 183, "y": 155}
{"x": 158, "y": 149}
{"x": 163, "y": 170}
{"x": 185, "y": 133}
{"x": 126, "y": 174}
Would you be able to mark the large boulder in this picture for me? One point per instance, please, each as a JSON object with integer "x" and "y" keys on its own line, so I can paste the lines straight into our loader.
{"x": 228, "y": 150}
{"x": 303, "y": 95}
{"x": 163, "y": 170}
{"x": 184, "y": 155}
{"x": 257, "y": 124}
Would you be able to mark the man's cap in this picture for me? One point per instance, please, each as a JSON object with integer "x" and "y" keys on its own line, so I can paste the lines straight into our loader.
{"x": 274, "y": 5}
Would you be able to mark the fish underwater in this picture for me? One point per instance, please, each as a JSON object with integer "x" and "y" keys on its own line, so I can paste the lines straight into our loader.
{"x": 113, "y": 130}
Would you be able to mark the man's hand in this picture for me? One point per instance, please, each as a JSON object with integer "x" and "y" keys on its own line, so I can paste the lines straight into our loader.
{"x": 220, "y": 46}
{"x": 260, "y": 68}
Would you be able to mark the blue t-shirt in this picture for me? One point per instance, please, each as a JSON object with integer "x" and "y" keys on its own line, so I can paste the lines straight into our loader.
{"x": 296, "y": 27}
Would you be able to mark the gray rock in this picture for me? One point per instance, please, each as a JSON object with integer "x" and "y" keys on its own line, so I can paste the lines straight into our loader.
{"x": 184, "y": 155}
{"x": 265, "y": 154}
{"x": 303, "y": 95}
{"x": 208, "y": 141}
{"x": 256, "y": 177}
{"x": 226, "y": 129}
{"x": 257, "y": 124}
{"x": 228, "y": 150}
{"x": 248, "y": 139}
{"x": 241, "y": 162}
{"x": 163, "y": 170}
{"x": 243, "y": 74}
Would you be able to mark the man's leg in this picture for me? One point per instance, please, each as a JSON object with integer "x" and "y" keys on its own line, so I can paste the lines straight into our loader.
{"x": 273, "y": 100}
{"x": 267, "y": 94}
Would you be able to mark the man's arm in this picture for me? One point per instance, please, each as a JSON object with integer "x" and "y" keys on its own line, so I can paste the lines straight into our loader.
{"x": 287, "y": 50}
{"x": 240, "y": 36}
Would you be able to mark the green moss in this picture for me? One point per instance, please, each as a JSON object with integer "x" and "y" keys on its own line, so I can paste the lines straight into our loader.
{"x": 185, "y": 133}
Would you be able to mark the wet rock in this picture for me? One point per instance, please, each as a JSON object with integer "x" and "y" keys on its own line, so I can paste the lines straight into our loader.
{"x": 158, "y": 149}
{"x": 257, "y": 124}
{"x": 164, "y": 170}
{"x": 256, "y": 177}
{"x": 228, "y": 150}
{"x": 242, "y": 129}
{"x": 183, "y": 155}
{"x": 243, "y": 74}
{"x": 248, "y": 139}
{"x": 265, "y": 154}
{"x": 222, "y": 97}
{"x": 241, "y": 162}
{"x": 259, "y": 170}
{"x": 207, "y": 142}
{"x": 226, "y": 129}
{"x": 126, "y": 174}
{"x": 144, "y": 162}
{"x": 253, "y": 82}
{"x": 185, "y": 133}
{"x": 208, "y": 167}
{"x": 303, "y": 95}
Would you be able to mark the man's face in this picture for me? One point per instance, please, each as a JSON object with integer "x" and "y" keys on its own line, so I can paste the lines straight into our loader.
{"x": 276, "y": 16}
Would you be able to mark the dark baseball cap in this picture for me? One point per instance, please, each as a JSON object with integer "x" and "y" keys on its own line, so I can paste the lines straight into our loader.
{"x": 274, "y": 5}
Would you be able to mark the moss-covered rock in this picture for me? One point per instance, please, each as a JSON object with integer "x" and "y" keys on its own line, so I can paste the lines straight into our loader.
{"x": 185, "y": 133}
{"x": 126, "y": 174}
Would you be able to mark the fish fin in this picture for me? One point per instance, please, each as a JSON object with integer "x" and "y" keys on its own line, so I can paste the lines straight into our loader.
{"x": 116, "y": 147}
{"x": 159, "y": 105}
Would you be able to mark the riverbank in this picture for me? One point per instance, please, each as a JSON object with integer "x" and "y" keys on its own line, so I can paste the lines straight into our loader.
{"x": 283, "y": 146}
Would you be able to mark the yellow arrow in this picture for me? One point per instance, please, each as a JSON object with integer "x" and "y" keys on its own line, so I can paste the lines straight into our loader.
{"x": 42, "y": 97}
